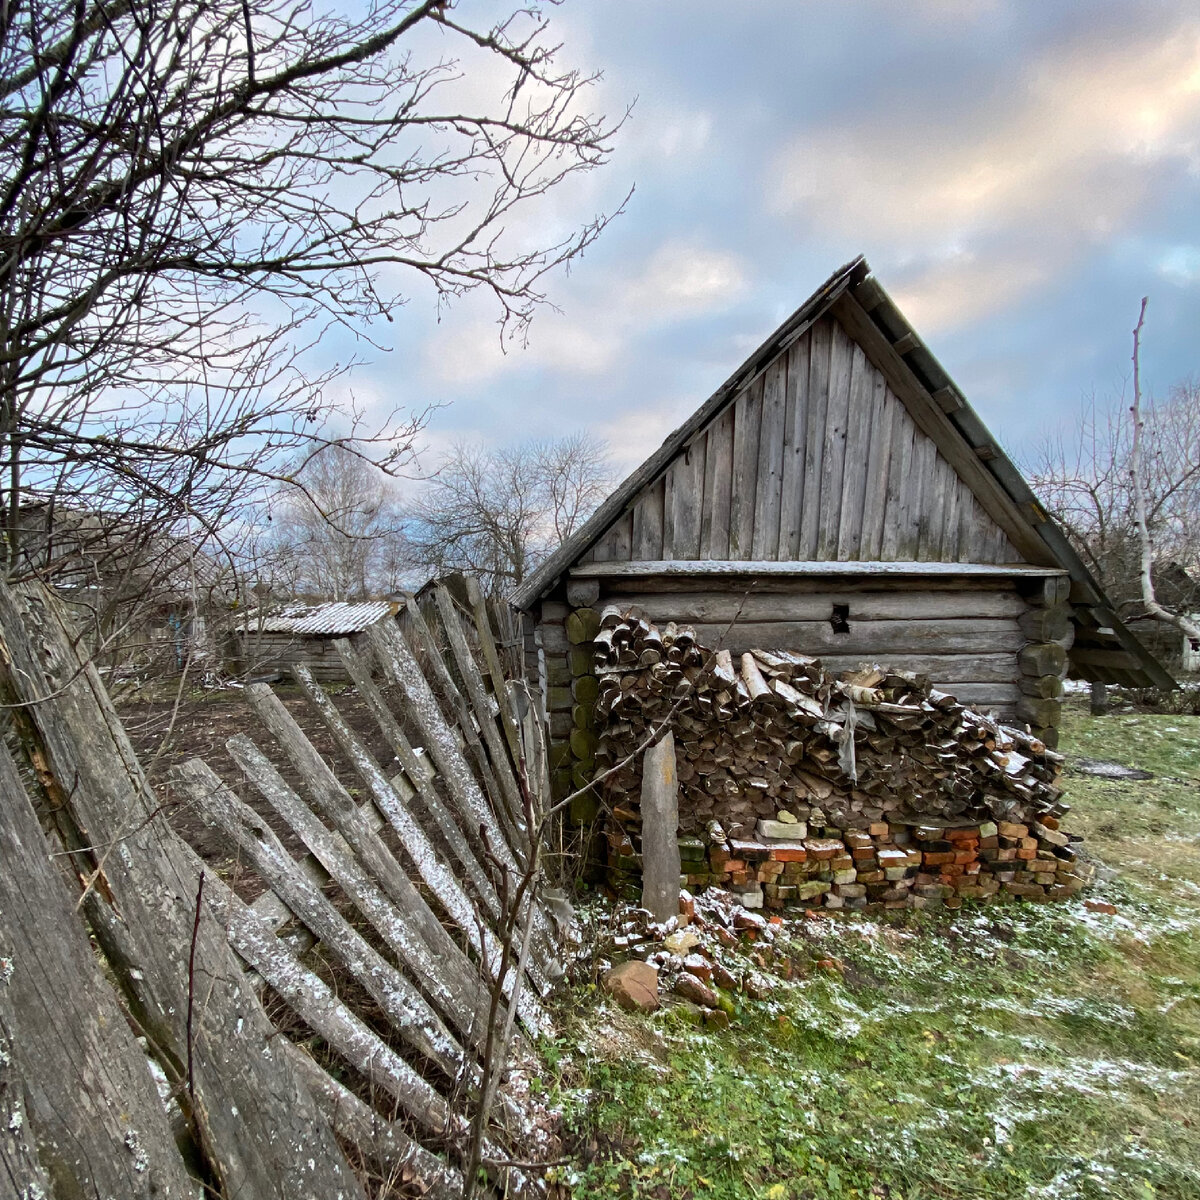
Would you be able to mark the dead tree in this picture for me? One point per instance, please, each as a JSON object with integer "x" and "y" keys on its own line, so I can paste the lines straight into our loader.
{"x": 193, "y": 191}
{"x": 1186, "y": 625}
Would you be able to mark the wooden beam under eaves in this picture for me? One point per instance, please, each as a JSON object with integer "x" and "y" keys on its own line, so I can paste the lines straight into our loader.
{"x": 948, "y": 399}
{"x": 868, "y": 294}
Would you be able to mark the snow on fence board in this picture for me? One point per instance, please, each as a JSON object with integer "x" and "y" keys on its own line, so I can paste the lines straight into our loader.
{"x": 410, "y": 944}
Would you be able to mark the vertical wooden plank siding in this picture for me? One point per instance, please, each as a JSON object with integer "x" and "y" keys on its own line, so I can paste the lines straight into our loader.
{"x": 950, "y": 520}
{"x": 900, "y": 453}
{"x": 818, "y": 401}
{"x": 746, "y": 419}
{"x": 927, "y": 476}
{"x": 934, "y": 517}
{"x": 648, "y": 523}
{"x": 878, "y": 459}
{"x": 858, "y": 467}
{"x": 833, "y": 456}
{"x": 718, "y": 484}
{"x": 687, "y": 501}
{"x": 618, "y": 542}
{"x": 965, "y": 521}
{"x": 817, "y": 459}
{"x": 794, "y": 430}
{"x": 770, "y": 461}
{"x": 919, "y": 482}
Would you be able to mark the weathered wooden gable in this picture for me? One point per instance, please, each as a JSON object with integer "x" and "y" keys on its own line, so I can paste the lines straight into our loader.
{"x": 817, "y": 459}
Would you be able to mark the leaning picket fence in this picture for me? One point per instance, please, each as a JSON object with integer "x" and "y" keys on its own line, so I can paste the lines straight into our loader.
{"x": 413, "y": 946}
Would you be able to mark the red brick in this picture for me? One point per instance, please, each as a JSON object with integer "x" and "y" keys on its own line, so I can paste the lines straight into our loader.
{"x": 789, "y": 856}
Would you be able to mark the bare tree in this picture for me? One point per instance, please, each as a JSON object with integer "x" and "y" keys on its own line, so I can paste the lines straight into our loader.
{"x": 192, "y": 192}
{"x": 1190, "y": 482}
{"x": 499, "y": 513}
{"x": 1125, "y": 487}
{"x": 337, "y": 531}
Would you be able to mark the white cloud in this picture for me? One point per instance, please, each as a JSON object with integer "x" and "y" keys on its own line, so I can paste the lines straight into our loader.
{"x": 678, "y": 281}
{"x": 1180, "y": 264}
{"x": 1071, "y": 153}
{"x": 638, "y": 432}
{"x": 681, "y": 279}
{"x": 470, "y": 351}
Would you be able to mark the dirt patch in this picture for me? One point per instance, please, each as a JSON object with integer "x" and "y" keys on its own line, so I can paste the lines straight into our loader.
{"x": 164, "y": 736}
{"x": 1099, "y": 768}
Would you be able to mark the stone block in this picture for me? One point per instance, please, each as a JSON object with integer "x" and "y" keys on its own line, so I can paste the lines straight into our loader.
{"x": 634, "y": 986}
{"x": 781, "y": 831}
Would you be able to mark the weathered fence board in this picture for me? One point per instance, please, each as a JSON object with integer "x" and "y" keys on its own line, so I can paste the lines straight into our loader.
{"x": 398, "y": 743}
{"x": 425, "y": 858}
{"x": 421, "y": 647}
{"x": 463, "y": 1009}
{"x": 335, "y": 803}
{"x": 510, "y": 792}
{"x": 190, "y": 955}
{"x": 21, "y": 1173}
{"x": 256, "y": 842}
{"x": 260, "y": 1130}
{"x": 86, "y": 1091}
{"x": 384, "y": 1143}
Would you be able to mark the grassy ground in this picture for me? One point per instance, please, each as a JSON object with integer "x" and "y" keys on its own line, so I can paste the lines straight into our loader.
{"x": 1045, "y": 1052}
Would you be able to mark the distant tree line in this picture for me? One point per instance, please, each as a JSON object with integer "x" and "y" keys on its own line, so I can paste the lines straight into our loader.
{"x": 341, "y": 529}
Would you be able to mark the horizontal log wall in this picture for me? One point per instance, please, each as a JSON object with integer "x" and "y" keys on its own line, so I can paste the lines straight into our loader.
{"x": 992, "y": 643}
{"x": 260, "y": 653}
{"x": 966, "y": 639}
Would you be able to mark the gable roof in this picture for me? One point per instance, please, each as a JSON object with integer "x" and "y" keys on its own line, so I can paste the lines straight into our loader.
{"x": 1104, "y": 648}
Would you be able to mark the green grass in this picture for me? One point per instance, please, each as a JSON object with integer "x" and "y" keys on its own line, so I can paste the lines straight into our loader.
{"x": 1036, "y": 1051}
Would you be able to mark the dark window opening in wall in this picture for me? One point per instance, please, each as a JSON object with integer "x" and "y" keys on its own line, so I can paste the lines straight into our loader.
{"x": 839, "y": 622}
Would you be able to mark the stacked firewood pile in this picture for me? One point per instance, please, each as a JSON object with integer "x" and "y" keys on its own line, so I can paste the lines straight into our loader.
{"x": 782, "y": 767}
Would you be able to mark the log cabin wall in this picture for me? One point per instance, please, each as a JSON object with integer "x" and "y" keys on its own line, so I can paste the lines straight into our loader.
{"x": 263, "y": 653}
{"x": 841, "y": 443}
{"x": 965, "y": 637}
{"x": 997, "y": 643}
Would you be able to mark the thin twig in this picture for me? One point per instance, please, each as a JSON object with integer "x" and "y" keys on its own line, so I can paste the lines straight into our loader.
{"x": 191, "y": 1080}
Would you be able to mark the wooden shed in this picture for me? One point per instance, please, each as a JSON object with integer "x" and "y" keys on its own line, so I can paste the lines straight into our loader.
{"x": 838, "y": 496}
{"x": 270, "y": 640}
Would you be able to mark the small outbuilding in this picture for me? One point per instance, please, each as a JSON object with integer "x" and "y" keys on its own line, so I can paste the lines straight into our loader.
{"x": 270, "y": 640}
{"x": 836, "y": 496}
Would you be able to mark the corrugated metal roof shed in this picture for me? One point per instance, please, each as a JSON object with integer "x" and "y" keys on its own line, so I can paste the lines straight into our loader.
{"x": 331, "y": 620}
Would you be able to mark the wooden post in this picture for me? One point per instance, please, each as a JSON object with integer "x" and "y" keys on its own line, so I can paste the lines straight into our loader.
{"x": 660, "y": 830}
{"x": 1099, "y": 698}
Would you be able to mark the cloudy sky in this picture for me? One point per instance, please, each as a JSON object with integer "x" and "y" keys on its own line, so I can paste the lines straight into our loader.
{"x": 1018, "y": 175}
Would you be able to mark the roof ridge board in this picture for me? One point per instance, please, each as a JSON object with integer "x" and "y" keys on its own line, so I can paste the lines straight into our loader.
{"x": 648, "y": 471}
